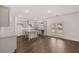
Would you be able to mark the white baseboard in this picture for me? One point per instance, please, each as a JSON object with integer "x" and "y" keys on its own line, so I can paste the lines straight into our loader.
{"x": 73, "y": 39}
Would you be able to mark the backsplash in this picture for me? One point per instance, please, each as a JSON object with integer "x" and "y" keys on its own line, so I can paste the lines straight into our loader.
{"x": 8, "y": 31}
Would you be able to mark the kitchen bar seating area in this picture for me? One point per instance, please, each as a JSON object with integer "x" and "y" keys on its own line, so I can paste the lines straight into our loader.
{"x": 39, "y": 29}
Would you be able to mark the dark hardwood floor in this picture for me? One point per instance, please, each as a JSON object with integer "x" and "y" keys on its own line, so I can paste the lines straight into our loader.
{"x": 46, "y": 45}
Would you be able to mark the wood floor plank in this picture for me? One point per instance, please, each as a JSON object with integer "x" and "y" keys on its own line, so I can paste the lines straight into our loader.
{"x": 46, "y": 45}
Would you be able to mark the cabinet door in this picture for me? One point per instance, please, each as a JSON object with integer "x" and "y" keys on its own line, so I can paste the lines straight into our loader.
{"x": 4, "y": 16}
{"x": 8, "y": 44}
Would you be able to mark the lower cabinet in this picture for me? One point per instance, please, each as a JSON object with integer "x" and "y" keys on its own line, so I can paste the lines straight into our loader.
{"x": 7, "y": 44}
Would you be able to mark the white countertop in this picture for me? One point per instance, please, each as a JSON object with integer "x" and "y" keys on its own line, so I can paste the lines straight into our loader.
{"x": 7, "y": 36}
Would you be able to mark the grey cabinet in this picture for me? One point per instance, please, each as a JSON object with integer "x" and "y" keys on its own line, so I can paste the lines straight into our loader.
{"x": 4, "y": 16}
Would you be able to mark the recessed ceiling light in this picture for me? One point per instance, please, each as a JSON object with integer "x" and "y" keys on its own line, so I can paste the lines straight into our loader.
{"x": 49, "y": 11}
{"x": 27, "y": 11}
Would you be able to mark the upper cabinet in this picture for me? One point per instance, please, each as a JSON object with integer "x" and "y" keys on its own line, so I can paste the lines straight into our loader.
{"x": 4, "y": 16}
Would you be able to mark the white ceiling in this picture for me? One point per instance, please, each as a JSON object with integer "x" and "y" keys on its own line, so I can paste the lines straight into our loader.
{"x": 36, "y": 11}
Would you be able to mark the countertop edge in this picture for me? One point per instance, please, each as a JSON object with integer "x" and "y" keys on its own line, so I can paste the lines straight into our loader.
{"x": 8, "y": 36}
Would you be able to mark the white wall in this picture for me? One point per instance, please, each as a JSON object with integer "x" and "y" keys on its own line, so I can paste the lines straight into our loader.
{"x": 70, "y": 25}
{"x": 71, "y": 29}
